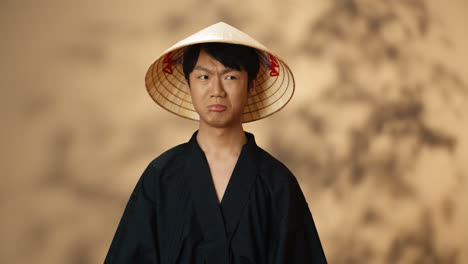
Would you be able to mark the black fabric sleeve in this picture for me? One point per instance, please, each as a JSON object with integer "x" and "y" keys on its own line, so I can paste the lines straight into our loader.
{"x": 135, "y": 240}
{"x": 298, "y": 239}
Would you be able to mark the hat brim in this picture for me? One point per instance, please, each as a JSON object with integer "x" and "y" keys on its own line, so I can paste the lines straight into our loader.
{"x": 166, "y": 84}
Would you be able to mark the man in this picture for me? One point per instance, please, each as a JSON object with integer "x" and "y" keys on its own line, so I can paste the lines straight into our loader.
{"x": 218, "y": 198}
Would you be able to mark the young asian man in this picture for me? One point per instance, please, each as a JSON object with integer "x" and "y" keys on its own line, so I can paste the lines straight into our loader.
{"x": 218, "y": 198}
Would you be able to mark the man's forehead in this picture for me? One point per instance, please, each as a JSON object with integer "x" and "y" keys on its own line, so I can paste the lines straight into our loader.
{"x": 208, "y": 70}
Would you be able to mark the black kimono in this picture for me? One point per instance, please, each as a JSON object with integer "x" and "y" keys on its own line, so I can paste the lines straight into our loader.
{"x": 173, "y": 214}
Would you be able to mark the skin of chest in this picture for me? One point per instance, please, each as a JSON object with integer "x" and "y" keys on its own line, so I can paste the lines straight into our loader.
{"x": 221, "y": 169}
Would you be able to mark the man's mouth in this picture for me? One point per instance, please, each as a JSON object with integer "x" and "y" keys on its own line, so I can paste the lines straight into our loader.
{"x": 217, "y": 107}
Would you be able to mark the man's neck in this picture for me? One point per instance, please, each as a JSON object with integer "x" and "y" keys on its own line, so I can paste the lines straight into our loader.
{"x": 221, "y": 140}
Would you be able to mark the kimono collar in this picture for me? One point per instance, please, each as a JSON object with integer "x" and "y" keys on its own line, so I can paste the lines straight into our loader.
{"x": 219, "y": 220}
{"x": 249, "y": 148}
{"x": 247, "y": 164}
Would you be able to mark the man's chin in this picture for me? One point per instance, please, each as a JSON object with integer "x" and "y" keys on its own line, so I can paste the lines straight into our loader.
{"x": 221, "y": 123}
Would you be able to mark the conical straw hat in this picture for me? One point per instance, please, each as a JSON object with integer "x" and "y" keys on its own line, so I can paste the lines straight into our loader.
{"x": 166, "y": 84}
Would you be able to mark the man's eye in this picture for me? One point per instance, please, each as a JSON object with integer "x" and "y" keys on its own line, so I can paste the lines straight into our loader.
{"x": 230, "y": 77}
{"x": 203, "y": 77}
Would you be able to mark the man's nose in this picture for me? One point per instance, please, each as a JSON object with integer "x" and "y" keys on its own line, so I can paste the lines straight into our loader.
{"x": 218, "y": 88}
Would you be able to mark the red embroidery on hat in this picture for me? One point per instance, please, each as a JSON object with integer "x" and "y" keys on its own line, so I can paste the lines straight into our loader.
{"x": 273, "y": 65}
{"x": 168, "y": 62}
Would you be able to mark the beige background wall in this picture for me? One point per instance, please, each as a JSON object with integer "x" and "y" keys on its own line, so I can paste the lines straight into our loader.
{"x": 376, "y": 132}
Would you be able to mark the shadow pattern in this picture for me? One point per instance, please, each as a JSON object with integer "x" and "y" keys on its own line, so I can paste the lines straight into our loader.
{"x": 395, "y": 94}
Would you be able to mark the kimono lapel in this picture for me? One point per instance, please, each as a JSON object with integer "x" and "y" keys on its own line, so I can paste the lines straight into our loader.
{"x": 240, "y": 185}
{"x": 206, "y": 204}
{"x": 219, "y": 221}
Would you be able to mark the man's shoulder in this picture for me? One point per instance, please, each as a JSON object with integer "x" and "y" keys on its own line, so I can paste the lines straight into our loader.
{"x": 272, "y": 168}
{"x": 167, "y": 157}
{"x": 277, "y": 175}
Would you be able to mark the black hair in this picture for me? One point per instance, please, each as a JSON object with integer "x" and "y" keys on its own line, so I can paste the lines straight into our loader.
{"x": 237, "y": 57}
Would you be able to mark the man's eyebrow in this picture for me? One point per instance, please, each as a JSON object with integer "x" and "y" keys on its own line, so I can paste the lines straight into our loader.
{"x": 227, "y": 70}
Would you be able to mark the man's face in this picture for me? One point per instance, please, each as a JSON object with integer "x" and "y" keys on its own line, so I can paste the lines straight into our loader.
{"x": 219, "y": 94}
